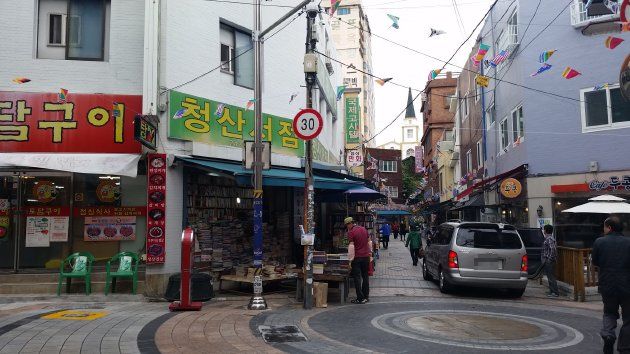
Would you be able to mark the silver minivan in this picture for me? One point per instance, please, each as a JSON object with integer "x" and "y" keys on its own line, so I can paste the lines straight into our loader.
{"x": 476, "y": 254}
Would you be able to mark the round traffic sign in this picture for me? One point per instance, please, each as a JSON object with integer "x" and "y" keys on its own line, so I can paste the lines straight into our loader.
{"x": 307, "y": 124}
{"x": 625, "y": 11}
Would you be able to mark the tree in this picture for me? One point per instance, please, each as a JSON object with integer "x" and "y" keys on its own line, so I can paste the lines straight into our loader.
{"x": 411, "y": 180}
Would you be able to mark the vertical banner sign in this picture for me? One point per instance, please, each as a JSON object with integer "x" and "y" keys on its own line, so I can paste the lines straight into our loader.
{"x": 418, "y": 157}
{"x": 156, "y": 208}
{"x": 353, "y": 128}
{"x": 258, "y": 237}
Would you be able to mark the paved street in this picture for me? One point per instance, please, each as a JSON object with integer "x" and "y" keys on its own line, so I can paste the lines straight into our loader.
{"x": 406, "y": 314}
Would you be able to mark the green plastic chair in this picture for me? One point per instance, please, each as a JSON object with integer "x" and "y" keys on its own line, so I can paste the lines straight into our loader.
{"x": 127, "y": 268}
{"x": 80, "y": 266}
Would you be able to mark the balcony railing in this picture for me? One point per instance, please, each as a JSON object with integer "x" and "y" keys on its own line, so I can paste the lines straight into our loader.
{"x": 580, "y": 19}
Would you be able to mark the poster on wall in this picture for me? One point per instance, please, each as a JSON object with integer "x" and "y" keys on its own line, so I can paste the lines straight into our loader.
{"x": 156, "y": 208}
{"x": 109, "y": 228}
{"x": 37, "y": 231}
{"x": 545, "y": 221}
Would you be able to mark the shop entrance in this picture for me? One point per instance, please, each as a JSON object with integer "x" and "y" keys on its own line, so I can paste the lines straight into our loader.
{"x": 34, "y": 219}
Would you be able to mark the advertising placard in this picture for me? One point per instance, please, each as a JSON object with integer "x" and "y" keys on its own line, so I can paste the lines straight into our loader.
{"x": 156, "y": 208}
{"x": 197, "y": 119}
{"x": 353, "y": 129}
{"x": 37, "y": 231}
{"x": 109, "y": 228}
{"x": 80, "y": 123}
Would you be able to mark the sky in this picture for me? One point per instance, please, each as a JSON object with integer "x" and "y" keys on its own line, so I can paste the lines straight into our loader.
{"x": 407, "y": 68}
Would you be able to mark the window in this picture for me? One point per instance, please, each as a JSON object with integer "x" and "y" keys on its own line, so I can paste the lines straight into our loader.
{"x": 490, "y": 116}
{"x": 488, "y": 237}
{"x": 579, "y": 16}
{"x": 409, "y": 133}
{"x": 72, "y": 29}
{"x": 465, "y": 105}
{"x": 517, "y": 124}
{"x": 410, "y": 152}
{"x": 505, "y": 135}
{"x": 512, "y": 26}
{"x": 604, "y": 109}
{"x": 392, "y": 191}
{"x": 477, "y": 92}
{"x": 343, "y": 11}
{"x": 387, "y": 166}
{"x": 237, "y": 55}
{"x": 469, "y": 163}
{"x": 479, "y": 155}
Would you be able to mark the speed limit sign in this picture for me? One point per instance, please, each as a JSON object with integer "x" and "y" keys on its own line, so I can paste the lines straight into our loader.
{"x": 307, "y": 124}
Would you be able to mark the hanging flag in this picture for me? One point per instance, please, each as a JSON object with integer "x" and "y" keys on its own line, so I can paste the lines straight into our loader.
{"x": 435, "y": 32}
{"x": 482, "y": 80}
{"x": 394, "y": 21}
{"x": 383, "y": 81}
{"x": 179, "y": 114}
{"x": 250, "y": 103}
{"x": 481, "y": 52}
{"x": 570, "y": 73}
{"x": 613, "y": 42}
{"x": 541, "y": 70}
{"x": 600, "y": 87}
{"x": 434, "y": 73}
{"x": 293, "y": 96}
{"x": 219, "y": 111}
{"x": 486, "y": 63}
{"x": 475, "y": 62}
{"x": 340, "y": 91}
{"x": 21, "y": 80}
{"x": 544, "y": 56}
{"x": 334, "y": 5}
{"x": 499, "y": 58}
{"x": 62, "y": 95}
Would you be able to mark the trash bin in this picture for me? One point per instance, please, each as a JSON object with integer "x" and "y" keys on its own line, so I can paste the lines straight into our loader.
{"x": 202, "y": 289}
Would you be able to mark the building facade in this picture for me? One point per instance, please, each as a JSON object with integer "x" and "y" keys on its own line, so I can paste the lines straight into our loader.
{"x": 69, "y": 152}
{"x": 384, "y": 169}
{"x": 567, "y": 132}
{"x": 352, "y": 38}
{"x": 410, "y": 132}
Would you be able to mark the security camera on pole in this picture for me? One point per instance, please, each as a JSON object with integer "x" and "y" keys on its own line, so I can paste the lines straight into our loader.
{"x": 257, "y": 302}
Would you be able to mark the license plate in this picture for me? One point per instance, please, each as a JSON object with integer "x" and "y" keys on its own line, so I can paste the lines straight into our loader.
{"x": 488, "y": 264}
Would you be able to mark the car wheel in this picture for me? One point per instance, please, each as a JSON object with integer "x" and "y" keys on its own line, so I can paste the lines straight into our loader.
{"x": 445, "y": 286}
{"x": 425, "y": 272}
{"x": 516, "y": 293}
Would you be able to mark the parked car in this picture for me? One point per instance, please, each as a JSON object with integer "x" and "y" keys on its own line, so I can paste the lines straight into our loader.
{"x": 476, "y": 254}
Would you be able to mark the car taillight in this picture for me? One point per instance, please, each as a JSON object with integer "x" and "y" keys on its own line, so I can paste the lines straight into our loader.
{"x": 524, "y": 264}
{"x": 452, "y": 260}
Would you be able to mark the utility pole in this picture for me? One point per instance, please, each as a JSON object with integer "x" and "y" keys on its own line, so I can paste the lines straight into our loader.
{"x": 257, "y": 301}
{"x": 309, "y": 189}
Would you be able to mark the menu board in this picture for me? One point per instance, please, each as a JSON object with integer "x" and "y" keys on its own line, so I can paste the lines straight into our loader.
{"x": 109, "y": 228}
{"x": 42, "y": 230}
{"x": 156, "y": 209}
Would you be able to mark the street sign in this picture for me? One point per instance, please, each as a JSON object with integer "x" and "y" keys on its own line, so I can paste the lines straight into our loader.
{"x": 307, "y": 124}
{"x": 354, "y": 158}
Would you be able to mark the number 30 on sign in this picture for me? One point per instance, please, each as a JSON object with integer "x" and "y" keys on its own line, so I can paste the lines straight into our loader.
{"x": 307, "y": 124}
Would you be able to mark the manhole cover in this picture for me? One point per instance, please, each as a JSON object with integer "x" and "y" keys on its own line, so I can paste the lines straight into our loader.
{"x": 473, "y": 326}
{"x": 281, "y": 334}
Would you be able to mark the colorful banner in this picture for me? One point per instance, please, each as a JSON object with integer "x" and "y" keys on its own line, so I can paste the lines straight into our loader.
{"x": 193, "y": 118}
{"x": 109, "y": 228}
{"x": 418, "y": 158}
{"x": 82, "y": 123}
{"x": 156, "y": 206}
{"x": 353, "y": 121}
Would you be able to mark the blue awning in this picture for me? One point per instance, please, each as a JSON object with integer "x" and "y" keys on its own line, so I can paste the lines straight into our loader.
{"x": 391, "y": 212}
{"x": 277, "y": 177}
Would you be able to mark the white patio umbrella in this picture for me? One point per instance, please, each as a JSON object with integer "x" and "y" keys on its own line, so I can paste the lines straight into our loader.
{"x": 604, "y": 204}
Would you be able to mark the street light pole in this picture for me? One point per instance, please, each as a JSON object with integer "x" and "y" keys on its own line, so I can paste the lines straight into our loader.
{"x": 257, "y": 301}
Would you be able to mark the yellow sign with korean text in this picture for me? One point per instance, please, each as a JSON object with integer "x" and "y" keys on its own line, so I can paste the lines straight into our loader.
{"x": 511, "y": 188}
{"x": 482, "y": 80}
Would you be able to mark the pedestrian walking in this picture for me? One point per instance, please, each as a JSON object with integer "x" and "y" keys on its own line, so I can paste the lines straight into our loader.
{"x": 395, "y": 229}
{"x": 359, "y": 253}
{"x": 611, "y": 254}
{"x": 385, "y": 231}
{"x": 414, "y": 243}
{"x": 549, "y": 257}
{"x": 403, "y": 231}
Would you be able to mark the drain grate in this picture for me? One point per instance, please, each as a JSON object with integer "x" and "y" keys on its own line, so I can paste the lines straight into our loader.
{"x": 281, "y": 334}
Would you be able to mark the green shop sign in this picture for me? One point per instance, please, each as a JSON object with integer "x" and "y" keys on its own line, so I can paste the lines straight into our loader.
{"x": 353, "y": 129}
{"x": 197, "y": 119}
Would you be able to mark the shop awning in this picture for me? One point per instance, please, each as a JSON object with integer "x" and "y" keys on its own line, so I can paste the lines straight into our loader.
{"x": 102, "y": 164}
{"x": 391, "y": 212}
{"x": 278, "y": 177}
{"x": 475, "y": 201}
{"x": 470, "y": 189}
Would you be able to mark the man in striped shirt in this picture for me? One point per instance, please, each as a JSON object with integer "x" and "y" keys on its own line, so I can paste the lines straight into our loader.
{"x": 549, "y": 257}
